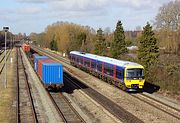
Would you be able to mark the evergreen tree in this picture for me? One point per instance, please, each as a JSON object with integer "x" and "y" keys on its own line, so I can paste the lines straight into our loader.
{"x": 148, "y": 49}
{"x": 100, "y": 44}
{"x": 118, "y": 46}
{"x": 53, "y": 44}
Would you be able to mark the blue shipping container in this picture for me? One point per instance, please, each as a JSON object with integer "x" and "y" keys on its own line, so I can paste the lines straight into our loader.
{"x": 36, "y": 58}
{"x": 52, "y": 73}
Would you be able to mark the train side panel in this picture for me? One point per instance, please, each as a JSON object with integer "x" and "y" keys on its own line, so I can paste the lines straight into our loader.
{"x": 52, "y": 74}
{"x": 40, "y": 62}
{"x": 110, "y": 70}
{"x": 120, "y": 74}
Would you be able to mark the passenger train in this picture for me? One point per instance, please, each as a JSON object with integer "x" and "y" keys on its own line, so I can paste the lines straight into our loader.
{"x": 129, "y": 76}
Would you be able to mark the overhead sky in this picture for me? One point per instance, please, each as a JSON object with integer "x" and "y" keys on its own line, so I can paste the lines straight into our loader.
{"x": 28, "y": 16}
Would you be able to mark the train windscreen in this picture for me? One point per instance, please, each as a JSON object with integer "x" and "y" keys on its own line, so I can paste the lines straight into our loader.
{"x": 135, "y": 73}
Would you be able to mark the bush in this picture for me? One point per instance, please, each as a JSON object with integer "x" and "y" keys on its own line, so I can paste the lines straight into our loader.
{"x": 166, "y": 74}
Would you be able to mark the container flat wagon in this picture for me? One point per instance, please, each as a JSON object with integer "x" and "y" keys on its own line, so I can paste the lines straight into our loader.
{"x": 26, "y": 48}
{"x": 49, "y": 71}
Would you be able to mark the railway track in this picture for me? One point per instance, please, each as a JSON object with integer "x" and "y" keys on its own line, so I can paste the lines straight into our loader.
{"x": 109, "y": 105}
{"x": 170, "y": 110}
{"x": 119, "y": 112}
{"x": 1, "y": 51}
{"x": 2, "y": 63}
{"x": 44, "y": 52}
{"x": 65, "y": 109}
{"x": 3, "y": 56}
{"x": 25, "y": 107}
{"x": 158, "y": 105}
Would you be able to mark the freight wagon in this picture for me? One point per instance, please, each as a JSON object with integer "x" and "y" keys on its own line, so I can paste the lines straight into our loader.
{"x": 36, "y": 58}
{"x": 49, "y": 71}
{"x": 26, "y": 48}
{"x": 127, "y": 75}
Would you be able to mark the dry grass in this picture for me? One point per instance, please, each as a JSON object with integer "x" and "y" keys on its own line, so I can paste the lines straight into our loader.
{"x": 7, "y": 96}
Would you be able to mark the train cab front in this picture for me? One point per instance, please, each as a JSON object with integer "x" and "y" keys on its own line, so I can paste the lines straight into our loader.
{"x": 134, "y": 78}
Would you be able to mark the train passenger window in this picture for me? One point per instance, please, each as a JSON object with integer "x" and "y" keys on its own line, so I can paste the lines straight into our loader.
{"x": 108, "y": 69}
{"x": 93, "y": 64}
{"x": 73, "y": 58}
{"x": 81, "y": 60}
{"x": 87, "y": 62}
{"x": 77, "y": 59}
{"x": 119, "y": 73}
{"x": 99, "y": 66}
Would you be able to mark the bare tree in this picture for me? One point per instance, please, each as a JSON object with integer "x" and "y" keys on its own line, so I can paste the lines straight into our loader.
{"x": 169, "y": 16}
{"x": 168, "y": 25}
{"x": 107, "y": 30}
{"x": 138, "y": 28}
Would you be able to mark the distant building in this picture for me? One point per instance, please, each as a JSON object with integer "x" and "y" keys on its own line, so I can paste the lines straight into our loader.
{"x": 132, "y": 48}
{"x": 133, "y": 34}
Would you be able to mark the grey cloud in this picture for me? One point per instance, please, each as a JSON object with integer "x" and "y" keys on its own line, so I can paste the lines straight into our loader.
{"x": 75, "y": 14}
{"x": 37, "y": 1}
{"x": 29, "y": 10}
{"x": 78, "y": 5}
{"x": 81, "y": 8}
{"x": 90, "y": 5}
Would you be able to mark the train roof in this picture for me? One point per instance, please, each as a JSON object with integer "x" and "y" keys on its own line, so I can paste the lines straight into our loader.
{"x": 106, "y": 59}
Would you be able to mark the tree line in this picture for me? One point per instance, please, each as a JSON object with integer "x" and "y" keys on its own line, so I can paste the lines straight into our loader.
{"x": 2, "y": 38}
{"x": 65, "y": 36}
{"x": 164, "y": 35}
{"x": 70, "y": 36}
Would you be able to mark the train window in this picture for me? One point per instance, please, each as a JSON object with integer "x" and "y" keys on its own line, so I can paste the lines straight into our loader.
{"x": 73, "y": 58}
{"x": 77, "y": 59}
{"x": 119, "y": 73}
{"x": 81, "y": 60}
{"x": 135, "y": 73}
{"x": 87, "y": 62}
{"x": 99, "y": 66}
{"x": 108, "y": 69}
{"x": 93, "y": 64}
